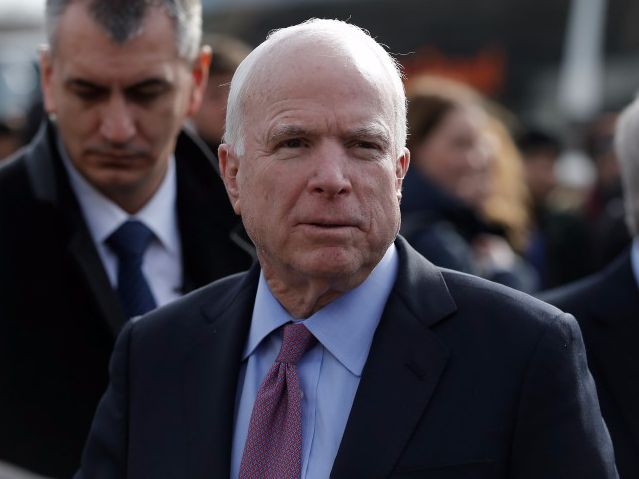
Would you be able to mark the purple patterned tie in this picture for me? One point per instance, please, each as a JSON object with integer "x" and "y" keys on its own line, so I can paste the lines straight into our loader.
{"x": 274, "y": 442}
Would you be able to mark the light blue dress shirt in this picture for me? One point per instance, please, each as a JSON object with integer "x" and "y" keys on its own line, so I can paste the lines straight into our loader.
{"x": 329, "y": 373}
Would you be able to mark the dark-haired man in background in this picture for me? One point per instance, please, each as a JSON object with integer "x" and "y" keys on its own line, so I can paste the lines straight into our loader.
{"x": 112, "y": 169}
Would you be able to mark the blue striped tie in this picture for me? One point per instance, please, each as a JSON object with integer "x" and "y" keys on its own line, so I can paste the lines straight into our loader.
{"x": 129, "y": 242}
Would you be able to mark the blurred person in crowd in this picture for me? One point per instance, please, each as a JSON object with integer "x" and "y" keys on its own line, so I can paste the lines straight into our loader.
{"x": 604, "y": 202}
{"x": 559, "y": 241}
{"x": 460, "y": 151}
{"x": 507, "y": 206}
{"x": 226, "y": 55}
{"x": 34, "y": 117}
{"x": 606, "y": 305}
{"x": 406, "y": 369}
{"x": 108, "y": 212}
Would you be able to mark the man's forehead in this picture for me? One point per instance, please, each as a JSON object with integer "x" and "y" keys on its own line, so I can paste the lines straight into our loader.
{"x": 76, "y": 21}
{"x": 304, "y": 74}
{"x": 86, "y": 51}
{"x": 367, "y": 128}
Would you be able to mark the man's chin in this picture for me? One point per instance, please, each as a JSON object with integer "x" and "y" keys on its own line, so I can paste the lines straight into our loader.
{"x": 331, "y": 263}
{"x": 117, "y": 183}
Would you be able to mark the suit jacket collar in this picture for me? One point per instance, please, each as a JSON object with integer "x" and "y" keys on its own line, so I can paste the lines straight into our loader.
{"x": 211, "y": 369}
{"x": 197, "y": 197}
{"x": 613, "y": 346}
{"x": 51, "y": 187}
{"x": 403, "y": 368}
{"x": 619, "y": 286}
{"x": 401, "y": 372}
{"x": 198, "y": 194}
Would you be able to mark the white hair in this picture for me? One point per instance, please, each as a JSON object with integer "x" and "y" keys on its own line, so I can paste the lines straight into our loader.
{"x": 627, "y": 150}
{"x": 337, "y": 34}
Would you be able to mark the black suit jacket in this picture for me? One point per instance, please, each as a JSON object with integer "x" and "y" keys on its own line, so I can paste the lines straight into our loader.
{"x": 465, "y": 379}
{"x": 59, "y": 316}
{"x": 606, "y": 305}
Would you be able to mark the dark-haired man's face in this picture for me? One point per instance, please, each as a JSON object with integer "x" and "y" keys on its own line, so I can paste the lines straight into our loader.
{"x": 119, "y": 107}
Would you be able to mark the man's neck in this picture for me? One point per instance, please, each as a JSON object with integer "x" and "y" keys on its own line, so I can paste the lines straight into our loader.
{"x": 303, "y": 296}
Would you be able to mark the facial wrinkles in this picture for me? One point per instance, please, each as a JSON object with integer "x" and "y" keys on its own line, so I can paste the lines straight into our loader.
{"x": 291, "y": 108}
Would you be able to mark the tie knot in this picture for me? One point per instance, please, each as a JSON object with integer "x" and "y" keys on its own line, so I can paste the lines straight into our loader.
{"x": 130, "y": 240}
{"x": 296, "y": 341}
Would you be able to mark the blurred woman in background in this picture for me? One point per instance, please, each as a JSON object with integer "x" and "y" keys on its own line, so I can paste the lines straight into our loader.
{"x": 464, "y": 199}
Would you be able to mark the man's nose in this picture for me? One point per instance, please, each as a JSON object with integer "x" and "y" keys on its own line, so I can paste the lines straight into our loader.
{"x": 117, "y": 122}
{"x": 330, "y": 173}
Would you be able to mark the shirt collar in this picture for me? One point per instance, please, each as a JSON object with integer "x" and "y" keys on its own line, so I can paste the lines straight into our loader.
{"x": 103, "y": 216}
{"x": 345, "y": 326}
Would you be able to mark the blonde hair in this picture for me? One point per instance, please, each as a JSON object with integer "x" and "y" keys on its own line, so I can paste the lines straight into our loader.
{"x": 509, "y": 203}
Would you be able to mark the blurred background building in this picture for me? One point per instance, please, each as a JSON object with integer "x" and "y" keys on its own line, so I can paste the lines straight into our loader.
{"x": 552, "y": 64}
{"x": 522, "y": 52}
{"x": 517, "y": 51}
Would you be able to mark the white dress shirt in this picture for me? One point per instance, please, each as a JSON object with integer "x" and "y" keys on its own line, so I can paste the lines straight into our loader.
{"x": 162, "y": 264}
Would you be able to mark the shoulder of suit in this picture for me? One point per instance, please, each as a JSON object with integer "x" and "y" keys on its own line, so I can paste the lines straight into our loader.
{"x": 180, "y": 322}
{"x": 216, "y": 293}
{"x": 477, "y": 294}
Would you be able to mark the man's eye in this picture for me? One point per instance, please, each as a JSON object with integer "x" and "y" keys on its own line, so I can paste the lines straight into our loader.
{"x": 292, "y": 143}
{"x": 366, "y": 145}
{"x": 145, "y": 94}
{"x": 87, "y": 93}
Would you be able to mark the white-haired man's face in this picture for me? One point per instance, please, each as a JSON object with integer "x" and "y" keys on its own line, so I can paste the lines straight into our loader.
{"x": 319, "y": 184}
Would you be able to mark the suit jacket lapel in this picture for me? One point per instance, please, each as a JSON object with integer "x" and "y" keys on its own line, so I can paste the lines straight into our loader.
{"x": 614, "y": 347}
{"x": 400, "y": 376}
{"x": 89, "y": 264}
{"x": 51, "y": 187}
{"x": 402, "y": 371}
{"x": 211, "y": 368}
{"x": 201, "y": 196}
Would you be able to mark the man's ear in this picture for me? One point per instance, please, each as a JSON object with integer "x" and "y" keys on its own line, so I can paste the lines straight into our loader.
{"x": 401, "y": 168}
{"x": 200, "y": 75}
{"x": 46, "y": 82}
{"x": 229, "y": 167}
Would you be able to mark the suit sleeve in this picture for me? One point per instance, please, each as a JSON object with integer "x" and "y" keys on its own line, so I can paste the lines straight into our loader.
{"x": 560, "y": 431}
{"x": 105, "y": 452}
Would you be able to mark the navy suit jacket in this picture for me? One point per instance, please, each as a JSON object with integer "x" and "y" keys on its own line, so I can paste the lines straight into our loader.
{"x": 465, "y": 379}
{"x": 606, "y": 305}
{"x": 59, "y": 315}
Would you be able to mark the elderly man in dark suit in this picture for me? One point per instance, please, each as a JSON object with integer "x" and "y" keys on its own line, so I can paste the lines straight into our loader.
{"x": 119, "y": 78}
{"x": 606, "y": 305}
{"x": 344, "y": 353}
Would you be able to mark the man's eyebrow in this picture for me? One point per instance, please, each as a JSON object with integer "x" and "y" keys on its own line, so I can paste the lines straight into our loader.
{"x": 82, "y": 83}
{"x": 371, "y": 131}
{"x": 368, "y": 131}
{"x": 286, "y": 130}
{"x": 149, "y": 82}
